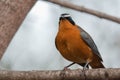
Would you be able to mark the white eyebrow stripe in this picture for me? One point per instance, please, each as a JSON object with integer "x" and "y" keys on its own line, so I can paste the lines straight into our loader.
{"x": 65, "y": 15}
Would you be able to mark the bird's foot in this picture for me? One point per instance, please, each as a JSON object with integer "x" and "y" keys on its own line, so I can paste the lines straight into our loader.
{"x": 84, "y": 71}
{"x": 66, "y": 68}
{"x": 85, "y": 68}
{"x": 63, "y": 72}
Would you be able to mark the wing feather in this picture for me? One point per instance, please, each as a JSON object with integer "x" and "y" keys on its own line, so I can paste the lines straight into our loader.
{"x": 89, "y": 41}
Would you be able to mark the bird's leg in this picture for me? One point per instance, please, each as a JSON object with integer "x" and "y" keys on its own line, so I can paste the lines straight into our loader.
{"x": 83, "y": 64}
{"x": 86, "y": 66}
{"x": 65, "y": 68}
{"x": 62, "y": 74}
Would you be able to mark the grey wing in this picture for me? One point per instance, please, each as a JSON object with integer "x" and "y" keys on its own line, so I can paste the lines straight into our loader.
{"x": 89, "y": 41}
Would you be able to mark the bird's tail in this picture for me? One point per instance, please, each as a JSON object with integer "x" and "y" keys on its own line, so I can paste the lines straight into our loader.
{"x": 96, "y": 63}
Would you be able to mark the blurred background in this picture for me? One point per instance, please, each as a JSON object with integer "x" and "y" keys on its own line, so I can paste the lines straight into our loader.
{"x": 33, "y": 46}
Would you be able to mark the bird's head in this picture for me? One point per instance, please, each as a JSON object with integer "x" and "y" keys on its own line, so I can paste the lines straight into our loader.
{"x": 66, "y": 16}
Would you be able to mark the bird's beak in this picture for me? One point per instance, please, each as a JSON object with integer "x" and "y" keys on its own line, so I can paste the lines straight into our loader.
{"x": 61, "y": 18}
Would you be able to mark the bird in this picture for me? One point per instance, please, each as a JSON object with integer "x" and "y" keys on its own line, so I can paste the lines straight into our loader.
{"x": 76, "y": 45}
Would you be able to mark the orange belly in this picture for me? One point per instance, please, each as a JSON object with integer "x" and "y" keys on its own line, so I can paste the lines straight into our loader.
{"x": 72, "y": 47}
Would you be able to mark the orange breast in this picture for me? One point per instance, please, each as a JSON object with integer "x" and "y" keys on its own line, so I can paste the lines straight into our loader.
{"x": 72, "y": 47}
